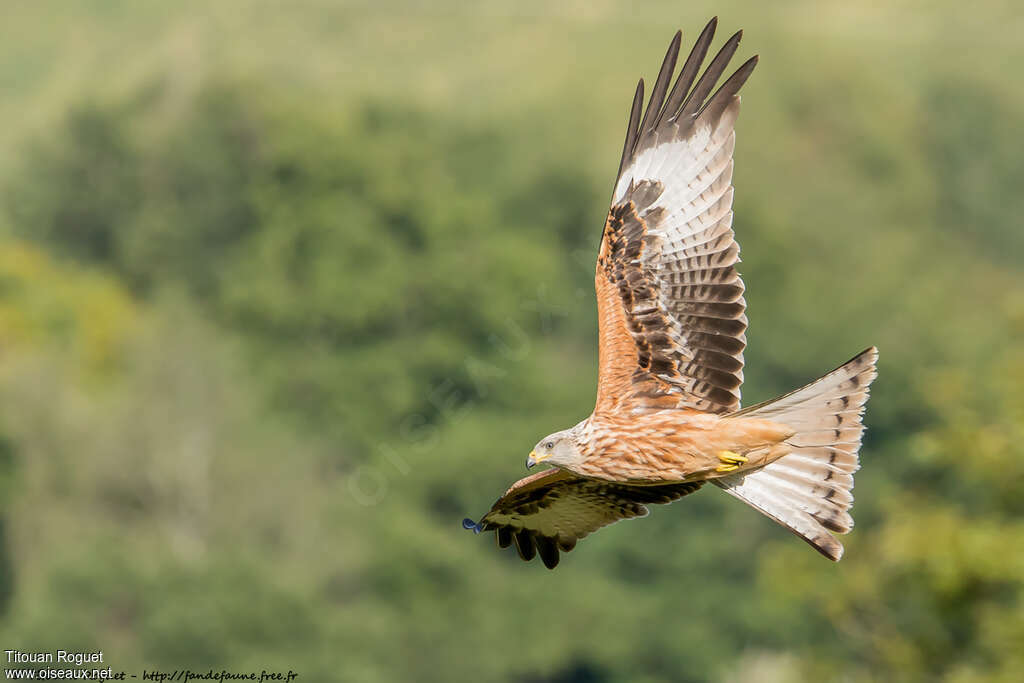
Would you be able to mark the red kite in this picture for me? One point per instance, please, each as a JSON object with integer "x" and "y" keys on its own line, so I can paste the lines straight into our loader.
{"x": 672, "y": 333}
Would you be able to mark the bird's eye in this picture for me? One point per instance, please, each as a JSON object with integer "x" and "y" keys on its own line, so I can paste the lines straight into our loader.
{"x": 549, "y": 445}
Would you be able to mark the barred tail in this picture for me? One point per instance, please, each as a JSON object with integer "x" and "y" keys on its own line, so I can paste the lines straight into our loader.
{"x": 808, "y": 491}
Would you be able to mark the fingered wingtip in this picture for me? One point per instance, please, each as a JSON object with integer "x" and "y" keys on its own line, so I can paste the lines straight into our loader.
{"x": 470, "y": 525}
{"x": 709, "y": 29}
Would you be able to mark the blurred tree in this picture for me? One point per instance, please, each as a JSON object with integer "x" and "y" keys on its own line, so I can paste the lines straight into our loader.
{"x": 320, "y": 243}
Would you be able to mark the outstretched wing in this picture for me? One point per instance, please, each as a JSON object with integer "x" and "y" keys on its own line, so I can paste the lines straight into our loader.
{"x": 552, "y": 510}
{"x": 670, "y": 301}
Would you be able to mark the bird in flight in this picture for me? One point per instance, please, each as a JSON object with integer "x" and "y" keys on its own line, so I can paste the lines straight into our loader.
{"x": 671, "y": 336}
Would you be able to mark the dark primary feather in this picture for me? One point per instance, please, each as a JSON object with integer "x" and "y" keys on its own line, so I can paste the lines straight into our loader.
{"x": 661, "y": 85}
{"x": 691, "y": 67}
{"x": 631, "y": 127}
{"x": 732, "y": 85}
{"x": 707, "y": 82}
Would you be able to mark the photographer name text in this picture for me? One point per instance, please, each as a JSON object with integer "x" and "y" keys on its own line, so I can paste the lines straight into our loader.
{"x": 58, "y": 657}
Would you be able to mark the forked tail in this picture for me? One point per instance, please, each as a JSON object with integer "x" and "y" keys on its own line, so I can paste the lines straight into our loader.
{"x": 808, "y": 491}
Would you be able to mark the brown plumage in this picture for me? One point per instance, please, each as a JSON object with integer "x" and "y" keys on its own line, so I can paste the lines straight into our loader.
{"x": 672, "y": 329}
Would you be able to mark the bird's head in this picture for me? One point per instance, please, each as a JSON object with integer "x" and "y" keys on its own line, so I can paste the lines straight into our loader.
{"x": 559, "y": 449}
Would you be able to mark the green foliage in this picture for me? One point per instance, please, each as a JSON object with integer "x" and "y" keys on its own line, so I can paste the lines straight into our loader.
{"x": 320, "y": 243}
{"x": 94, "y": 168}
{"x": 261, "y": 349}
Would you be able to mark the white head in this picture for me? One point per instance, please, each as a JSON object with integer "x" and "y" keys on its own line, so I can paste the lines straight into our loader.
{"x": 558, "y": 449}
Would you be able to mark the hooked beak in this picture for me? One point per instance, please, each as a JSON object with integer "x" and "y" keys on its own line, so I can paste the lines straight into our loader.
{"x": 534, "y": 459}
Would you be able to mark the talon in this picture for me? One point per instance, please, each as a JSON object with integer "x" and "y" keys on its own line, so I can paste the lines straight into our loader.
{"x": 731, "y": 461}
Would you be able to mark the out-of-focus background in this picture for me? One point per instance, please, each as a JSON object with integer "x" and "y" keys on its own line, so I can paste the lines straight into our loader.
{"x": 289, "y": 289}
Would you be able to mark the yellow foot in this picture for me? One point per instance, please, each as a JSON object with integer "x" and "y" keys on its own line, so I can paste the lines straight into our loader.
{"x": 730, "y": 461}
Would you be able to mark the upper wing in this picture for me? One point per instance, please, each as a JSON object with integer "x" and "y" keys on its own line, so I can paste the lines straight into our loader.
{"x": 670, "y": 302}
{"x": 551, "y": 510}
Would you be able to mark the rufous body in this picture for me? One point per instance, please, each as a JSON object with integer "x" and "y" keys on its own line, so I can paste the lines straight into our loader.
{"x": 675, "y": 445}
